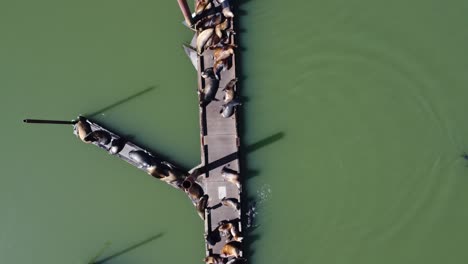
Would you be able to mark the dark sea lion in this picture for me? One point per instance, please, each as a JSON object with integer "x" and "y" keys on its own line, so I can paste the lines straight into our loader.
{"x": 209, "y": 22}
{"x": 100, "y": 136}
{"x": 211, "y": 86}
{"x": 143, "y": 159}
{"x": 117, "y": 144}
{"x": 193, "y": 189}
{"x": 228, "y": 109}
{"x": 213, "y": 259}
{"x": 229, "y": 91}
{"x": 203, "y": 38}
{"x": 213, "y": 237}
{"x": 202, "y": 205}
{"x": 83, "y": 129}
{"x": 231, "y": 249}
{"x": 231, "y": 202}
{"x": 237, "y": 261}
{"x": 157, "y": 172}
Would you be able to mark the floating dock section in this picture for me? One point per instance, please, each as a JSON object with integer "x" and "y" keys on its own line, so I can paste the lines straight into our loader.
{"x": 219, "y": 136}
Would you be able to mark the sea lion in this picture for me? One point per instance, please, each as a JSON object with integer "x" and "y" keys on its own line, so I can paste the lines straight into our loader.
{"x": 193, "y": 189}
{"x": 224, "y": 52}
{"x": 209, "y": 22}
{"x": 83, "y": 129}
{"x": 117, "y": 144}
{"x": 143, "y": 159}
{"x": 231, "y": 176}
{"x": 201, "y": 206}
{"x": 229, "y": 90}
{"x": 213, "y": 237}
{"x": 156, "y": 172}
{"x": 236, "y": 235}
{"x": 220, "y": 28}
{"x": 213, "y": 259}
{"x": 237, "y": 261}
{"x": 100, "y": 136}
{"x": 231, "y": 202}
{"x": 226, "y": 8}
{"x": 224, "y": 228}
{"x": 227, "y": 110}
{"x": 201, "y": 5}
{"x": 231, "y": 249}
{"x": 220, "y": 65}
{"x": 202, "y": 39}
{"x": 211, "y": 86}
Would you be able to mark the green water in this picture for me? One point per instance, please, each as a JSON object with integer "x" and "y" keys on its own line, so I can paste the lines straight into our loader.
{"x": 368, "y": 95}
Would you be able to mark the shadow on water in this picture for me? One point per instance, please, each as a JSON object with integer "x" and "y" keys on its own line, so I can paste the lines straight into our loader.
{"x": 128, "y": 249}
{"x": 122, "y": 101}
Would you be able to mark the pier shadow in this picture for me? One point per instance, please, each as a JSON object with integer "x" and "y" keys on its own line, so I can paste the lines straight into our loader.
{"x": 235, "y": 155}
{"x": 128, "y": 249}
{"x": 122, "y": 101}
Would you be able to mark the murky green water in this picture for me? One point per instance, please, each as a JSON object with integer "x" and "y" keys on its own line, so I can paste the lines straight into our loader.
{"x": 368, "y": 95}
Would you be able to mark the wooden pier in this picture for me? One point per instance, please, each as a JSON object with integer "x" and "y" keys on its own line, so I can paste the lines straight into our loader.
{"x": 219, "y": 147}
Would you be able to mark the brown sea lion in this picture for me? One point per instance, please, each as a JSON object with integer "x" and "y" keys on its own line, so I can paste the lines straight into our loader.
{"x": 83, "y": 128}
{"x": 222, "y": 53}
{"x": 231, "y": 176}
{"x": 201, "y": 5}
{"x": 231, "y": 202}
{"x": 231, "y": 249}
{"x": 229, "y": 90}
{"x": 219, "y": 66}
{"x": 222, "y": 27}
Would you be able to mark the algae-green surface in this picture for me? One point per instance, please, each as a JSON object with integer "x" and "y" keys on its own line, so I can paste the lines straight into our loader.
{"x": 369, "y": 98}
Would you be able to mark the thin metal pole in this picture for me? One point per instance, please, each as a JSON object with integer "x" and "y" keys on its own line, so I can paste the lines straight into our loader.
{"x": 42, "y": 121}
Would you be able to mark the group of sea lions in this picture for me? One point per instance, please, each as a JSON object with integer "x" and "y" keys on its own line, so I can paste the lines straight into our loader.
{"x": 214, "y": 32}
{"x": 162, "y": 170}
{"x": 231, "y": 252}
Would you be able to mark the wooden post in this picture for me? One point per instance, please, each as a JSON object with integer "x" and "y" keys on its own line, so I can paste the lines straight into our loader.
{"x": 186, "y": 12}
